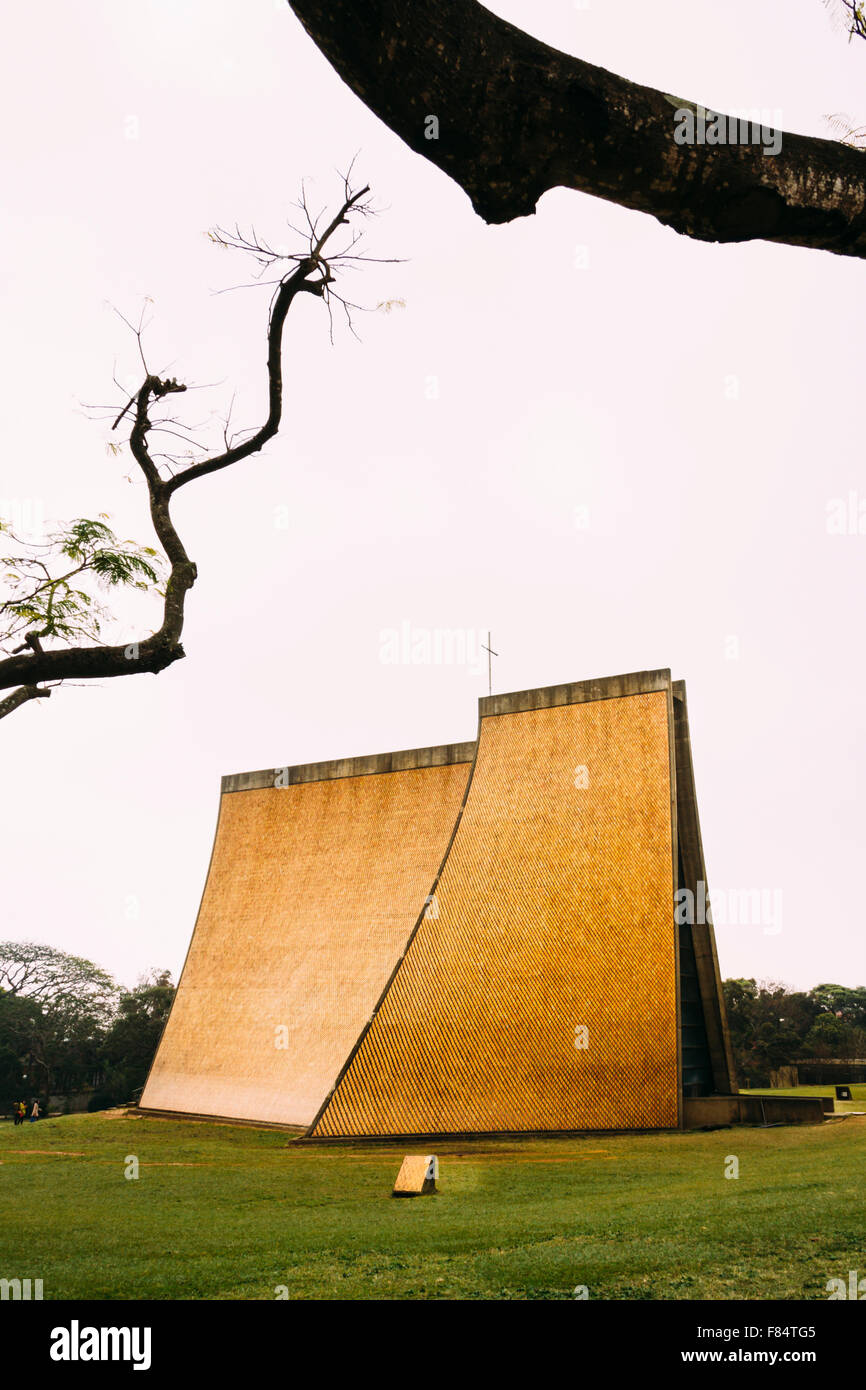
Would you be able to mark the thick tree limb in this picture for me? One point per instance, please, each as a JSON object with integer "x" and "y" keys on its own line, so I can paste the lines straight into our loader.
{"x": 95, "y": 663}
{"x": 516, "y": 117}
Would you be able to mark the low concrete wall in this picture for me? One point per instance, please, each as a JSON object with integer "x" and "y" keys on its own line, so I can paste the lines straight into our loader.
{"x": 702, "y": 1111}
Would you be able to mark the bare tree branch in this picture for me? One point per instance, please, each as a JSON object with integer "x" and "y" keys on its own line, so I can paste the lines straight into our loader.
{"x": 311, "y": 273}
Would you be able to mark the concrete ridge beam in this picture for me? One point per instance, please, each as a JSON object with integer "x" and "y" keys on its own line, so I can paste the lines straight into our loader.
{"x": 404, "y": 760}
{"x": 577, "y": 693}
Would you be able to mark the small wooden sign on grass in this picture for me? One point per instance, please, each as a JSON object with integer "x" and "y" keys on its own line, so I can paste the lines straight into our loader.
{"x": 417, "y": 1176}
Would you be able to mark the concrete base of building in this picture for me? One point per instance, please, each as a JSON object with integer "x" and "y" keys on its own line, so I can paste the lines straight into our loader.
{"x": 203, "y": 1119}
{"x": 699, "y": 1112}
{"x": 707, "y": 1112}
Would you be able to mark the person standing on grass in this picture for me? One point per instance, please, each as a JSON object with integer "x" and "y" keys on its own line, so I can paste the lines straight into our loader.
{"x": 22, "y": 1112}
{"x": 34, "y": 1113}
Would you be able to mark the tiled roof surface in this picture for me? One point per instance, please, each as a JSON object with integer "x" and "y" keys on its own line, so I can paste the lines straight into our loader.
{"x": 312, "y": 893}
{"x": 553, "y": 914}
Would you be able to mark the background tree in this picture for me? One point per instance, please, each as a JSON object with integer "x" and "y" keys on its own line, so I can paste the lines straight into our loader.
{"x": 55, "y": 1009}
{"x": 56, "y": 980}
{"x": 508, "y": 117}
{"x": 828, "y": 1037}
{"x": 849, "y": 1004}
{"x": 51, "y": 597}
{"x": 19, "y": 1019}
{"x": 47, "y": 1050}
{"x": 131, "y": 1041}
{"x": 767, "y": 1024}
{"x": 67, "y": 1027}
{"x": 772, "y": 1026}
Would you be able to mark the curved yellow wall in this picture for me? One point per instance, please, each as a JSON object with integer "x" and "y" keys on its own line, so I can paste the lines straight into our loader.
{"x": 312, "y": 893}
{"x": 554, "y": 911}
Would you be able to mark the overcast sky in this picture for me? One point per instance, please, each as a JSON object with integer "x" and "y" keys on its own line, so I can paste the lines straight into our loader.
{"x": 612, "y": 446}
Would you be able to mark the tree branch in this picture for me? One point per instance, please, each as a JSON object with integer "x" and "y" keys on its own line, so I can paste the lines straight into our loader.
{"x": 20, "y": 697}
{"x": 297, "y": 282}
{"x": 311, "y": 275}
{"x": 516, "y": 117}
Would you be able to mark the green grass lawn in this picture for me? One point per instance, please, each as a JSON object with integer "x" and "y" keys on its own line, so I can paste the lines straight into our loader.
{"x": 222, "y": 1213}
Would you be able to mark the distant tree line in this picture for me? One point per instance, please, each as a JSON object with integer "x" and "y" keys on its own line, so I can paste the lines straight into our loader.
{"x": 67, "y": 1027}
{"x": 773, "y": 1026}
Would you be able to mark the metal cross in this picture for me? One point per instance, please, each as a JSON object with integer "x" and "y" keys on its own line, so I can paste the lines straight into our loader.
{"x": 490, "y": 654}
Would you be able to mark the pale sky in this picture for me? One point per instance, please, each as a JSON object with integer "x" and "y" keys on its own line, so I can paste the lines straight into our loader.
{"x": 613, "y": 447}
